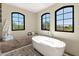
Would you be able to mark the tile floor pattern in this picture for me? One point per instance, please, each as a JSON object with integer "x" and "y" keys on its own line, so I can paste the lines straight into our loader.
{"x": 23, "y": 51}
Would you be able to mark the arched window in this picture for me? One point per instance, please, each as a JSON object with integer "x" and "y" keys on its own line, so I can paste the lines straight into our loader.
{"x": 45, "y": 21}
{"x": 64, "y": 19}
{"x": 18, "y": 21}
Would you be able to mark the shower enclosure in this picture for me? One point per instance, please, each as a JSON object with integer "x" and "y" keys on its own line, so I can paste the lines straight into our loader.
{"x": 5, "y": 29}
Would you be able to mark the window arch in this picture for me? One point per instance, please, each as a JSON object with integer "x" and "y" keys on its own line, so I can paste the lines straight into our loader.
{"x": 18, "y": 21}
{"x": 45, "y": 21}
{"x": 64, "y": 19}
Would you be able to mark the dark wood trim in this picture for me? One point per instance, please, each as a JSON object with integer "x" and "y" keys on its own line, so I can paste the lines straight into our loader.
{"x": 0, "y": 12}
{"x": 69, "y": 54}
{"x": 12, "y": 21}
{"x": 72, "y": 18}
{"x": 38, "y": 52}
{"x": 42, "y": 22}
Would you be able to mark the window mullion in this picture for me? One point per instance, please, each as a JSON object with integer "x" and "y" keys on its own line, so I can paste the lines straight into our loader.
{"x": 63, "y": 19}
{"x": 18, "y": 21}
{"x": 45, "y": 22}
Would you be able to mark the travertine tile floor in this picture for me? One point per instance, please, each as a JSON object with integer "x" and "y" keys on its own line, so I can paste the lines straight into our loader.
{"x": 24, "y": 51}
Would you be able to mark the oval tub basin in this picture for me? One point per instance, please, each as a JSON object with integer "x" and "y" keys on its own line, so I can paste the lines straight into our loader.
{"x": 48, "y": 46}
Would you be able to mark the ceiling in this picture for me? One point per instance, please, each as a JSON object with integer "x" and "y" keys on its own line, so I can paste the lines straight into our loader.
{"x": 33, "y": 7}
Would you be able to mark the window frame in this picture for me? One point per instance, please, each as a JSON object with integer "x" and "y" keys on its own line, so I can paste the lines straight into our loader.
{"x": 12, "y": 21}
{"x": 42, "y": 22}
{"x": 72, "y": 6}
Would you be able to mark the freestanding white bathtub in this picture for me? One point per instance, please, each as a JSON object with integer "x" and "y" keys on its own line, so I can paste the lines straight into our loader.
{"x": 48, "y": 46}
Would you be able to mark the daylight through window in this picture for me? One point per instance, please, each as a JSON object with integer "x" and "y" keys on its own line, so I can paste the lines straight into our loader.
{"x": 18, "y": 21}
{"x": 64, "y": 19}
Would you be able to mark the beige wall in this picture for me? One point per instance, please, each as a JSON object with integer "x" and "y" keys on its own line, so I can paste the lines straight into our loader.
{"x": 71, "y": 39}
{"x": 30, "y": 20}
